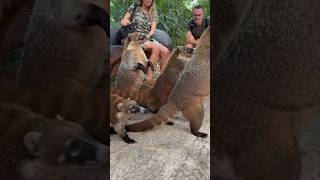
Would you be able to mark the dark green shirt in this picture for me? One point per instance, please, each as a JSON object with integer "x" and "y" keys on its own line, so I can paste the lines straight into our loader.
{"x": 141, "y": 19}
{"x": 197, "y": 30}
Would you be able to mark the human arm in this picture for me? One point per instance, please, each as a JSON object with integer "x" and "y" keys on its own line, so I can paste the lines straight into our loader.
{"x": 190, "y": 39}
{"x": 125, "y": 21}
{"x": 153, "y": 29}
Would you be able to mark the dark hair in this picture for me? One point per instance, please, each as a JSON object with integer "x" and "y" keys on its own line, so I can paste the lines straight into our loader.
{"x": 198, "y": 7}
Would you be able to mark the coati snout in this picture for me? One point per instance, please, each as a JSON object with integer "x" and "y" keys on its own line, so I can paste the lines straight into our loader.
{"x": 35, "y": 147}
{"x": 94, "y": 16}
{"x": 64, "y": 142}
{"x": 131, "y": 107}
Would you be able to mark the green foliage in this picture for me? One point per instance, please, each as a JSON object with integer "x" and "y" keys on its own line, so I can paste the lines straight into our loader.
{"x": 174, "y": 16}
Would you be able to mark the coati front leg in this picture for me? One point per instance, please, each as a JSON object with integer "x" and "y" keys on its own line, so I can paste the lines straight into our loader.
{"x": 121, "y": 131}
{"x": 195, "y": 114}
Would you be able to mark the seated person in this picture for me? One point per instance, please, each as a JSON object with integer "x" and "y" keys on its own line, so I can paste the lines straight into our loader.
{"x": 145, "y": 21}
{"x": 196, "y": 26}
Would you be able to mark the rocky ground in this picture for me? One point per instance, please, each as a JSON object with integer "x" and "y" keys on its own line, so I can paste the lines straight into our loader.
{"x": 166, "y": 152}
{"x": 172, "y": 152}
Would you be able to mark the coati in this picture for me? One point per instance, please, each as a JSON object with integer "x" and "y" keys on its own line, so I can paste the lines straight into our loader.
{"x": 120, "y": 111}
{"x": 74, "y": 104}
{"x": 64, "y": 57}
{"x": 153, "y": 98}
{"x": 265, "y": 82}
{"x": 37, "y": 148}
{"x": 189, "y": 92}
{"x": 65, "y": 43}
{"x": 133, "y": 67}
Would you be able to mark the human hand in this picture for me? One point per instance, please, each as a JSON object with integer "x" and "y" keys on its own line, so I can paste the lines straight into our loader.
{"x": 125, "y": 22}
{"x": 147, "y": 45}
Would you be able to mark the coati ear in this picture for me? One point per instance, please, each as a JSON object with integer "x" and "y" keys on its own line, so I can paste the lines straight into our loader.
{"x": 31, "y": 141}
{"x": 127, "y": 41}
{"x": 95, "y": 16}
{"x": 120, "y": 107}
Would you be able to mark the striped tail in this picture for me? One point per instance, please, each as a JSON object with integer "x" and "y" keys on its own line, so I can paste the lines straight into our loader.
{"x": 165, "y": 112}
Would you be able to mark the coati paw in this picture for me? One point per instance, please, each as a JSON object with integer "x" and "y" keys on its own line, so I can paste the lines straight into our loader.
{"x": 170, "y": 123}
{"x": 200, "y": 134}
{"x": 128, "y": 140}
{"x": 112, "y": 131}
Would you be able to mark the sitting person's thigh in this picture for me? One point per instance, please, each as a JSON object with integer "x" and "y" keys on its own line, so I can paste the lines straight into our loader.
{"x": 150, "y": 46}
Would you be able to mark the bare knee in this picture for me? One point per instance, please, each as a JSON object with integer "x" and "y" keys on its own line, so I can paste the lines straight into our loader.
{"x": 165, "y": 52}
{"x": 154, "y": 49}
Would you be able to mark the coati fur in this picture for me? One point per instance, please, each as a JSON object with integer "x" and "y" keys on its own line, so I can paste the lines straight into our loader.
{"x": 133, "y": 67}
{"x": 189, "y": 92}
{"x": 153, "y": 98}
{"x": 74, "y": 104}
{"x": 37, "y": 148}
{"x": 265, "y": 81}
{"x": 225, "y": 17}
{"x": 115, "y": 60}
{"x": 66, "y": 43}
{"x": 120, "y": 111}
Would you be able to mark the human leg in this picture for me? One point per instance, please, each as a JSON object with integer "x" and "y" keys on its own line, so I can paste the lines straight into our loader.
{"x": 164, "y": 56}
{"x": 155, "y": 52}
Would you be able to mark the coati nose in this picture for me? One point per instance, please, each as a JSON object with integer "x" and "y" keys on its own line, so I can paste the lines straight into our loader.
{"x": 190, "y": 50}
{"x": 143, "y": 110}
{"x": 135, "y": 109}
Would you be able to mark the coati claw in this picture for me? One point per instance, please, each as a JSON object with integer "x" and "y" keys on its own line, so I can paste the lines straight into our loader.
{"x": 170, "y": 123}
{"x": 149, "y": 64}
{"x": 128, "y": 140}
{"x": 200, "y": 134}
{"x": 141, "y": 67}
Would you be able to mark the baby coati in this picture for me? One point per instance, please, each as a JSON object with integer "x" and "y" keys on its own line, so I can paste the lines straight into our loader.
{"x": 120, "y": 111}
{"x": 34, "y": 147}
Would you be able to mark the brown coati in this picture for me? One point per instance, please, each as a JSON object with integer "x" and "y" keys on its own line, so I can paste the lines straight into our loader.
{"x": 189, "y": 92}
{"x": 120, "y": 111}
{"x": 265, "y": 81}
{"x": 133, "y": 67}
{"x": 65, "y": 43}
{"x": 35, "y": 148}
{"x": 153, "y": 98}
{"x": 74, "y": 104}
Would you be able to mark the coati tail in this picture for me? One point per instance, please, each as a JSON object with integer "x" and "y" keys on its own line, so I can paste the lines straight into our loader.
{"x": 166, "y": 111}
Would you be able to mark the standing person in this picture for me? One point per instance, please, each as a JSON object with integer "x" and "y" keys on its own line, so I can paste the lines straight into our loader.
{"x": 145, "y": 19}
{"x": 196, "y": 26}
